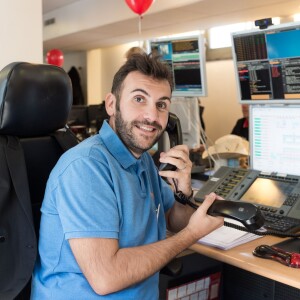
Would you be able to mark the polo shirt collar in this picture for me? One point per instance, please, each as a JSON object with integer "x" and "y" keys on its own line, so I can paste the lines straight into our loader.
{"x": 116, "y": 147}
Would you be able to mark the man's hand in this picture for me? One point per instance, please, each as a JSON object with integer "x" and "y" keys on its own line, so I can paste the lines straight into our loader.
{"x": 179, "y": 157}
{"x": 201, "y": 223}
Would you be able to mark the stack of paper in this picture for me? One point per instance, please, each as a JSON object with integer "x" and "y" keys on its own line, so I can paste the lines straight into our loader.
{"x": 226, "y": 237}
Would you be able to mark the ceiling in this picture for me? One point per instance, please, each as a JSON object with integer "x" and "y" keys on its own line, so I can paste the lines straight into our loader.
{"x": 114, "y": 23}
{"x": 50, "y": 5}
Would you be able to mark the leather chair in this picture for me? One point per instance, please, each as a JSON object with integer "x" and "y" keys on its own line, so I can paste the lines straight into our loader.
{"x": 35, "y": 101}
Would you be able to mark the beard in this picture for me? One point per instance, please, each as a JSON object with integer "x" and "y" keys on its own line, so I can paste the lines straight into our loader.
{"x": 136, "y": 144}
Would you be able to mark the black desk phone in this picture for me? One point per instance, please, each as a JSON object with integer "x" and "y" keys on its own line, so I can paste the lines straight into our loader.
{"x": 246, "y": 213}
{"x": 175, "y": 135}
{"x": 276, "y": 195}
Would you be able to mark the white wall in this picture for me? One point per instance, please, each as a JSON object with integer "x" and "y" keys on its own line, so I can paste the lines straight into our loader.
{"x": 94, "y": 75}
{"x": 221, "y": 106}
{"x": 102, "y": 64}
{"x": 112, "y": 59}
{"x": 21, "y": 31}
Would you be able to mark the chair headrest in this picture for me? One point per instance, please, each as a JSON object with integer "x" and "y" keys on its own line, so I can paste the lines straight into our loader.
{"x": 35, "y": 99}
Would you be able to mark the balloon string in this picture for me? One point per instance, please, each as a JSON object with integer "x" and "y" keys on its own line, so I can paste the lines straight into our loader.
{"x": 140, "y": 30}
{"x": 140, "y": 25}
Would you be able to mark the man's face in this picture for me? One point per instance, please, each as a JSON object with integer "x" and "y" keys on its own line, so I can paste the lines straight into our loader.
{"x": 143, "y": 111}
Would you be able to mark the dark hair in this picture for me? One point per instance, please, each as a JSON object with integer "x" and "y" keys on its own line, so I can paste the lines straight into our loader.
{"x": 147, "y": 64}
{"x": 134, "y": 50}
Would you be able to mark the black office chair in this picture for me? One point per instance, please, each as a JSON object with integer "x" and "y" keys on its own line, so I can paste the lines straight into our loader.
{"x": 35, "y": 101}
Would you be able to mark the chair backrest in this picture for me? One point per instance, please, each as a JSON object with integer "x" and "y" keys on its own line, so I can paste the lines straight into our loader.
{"x": 35, "y": 101}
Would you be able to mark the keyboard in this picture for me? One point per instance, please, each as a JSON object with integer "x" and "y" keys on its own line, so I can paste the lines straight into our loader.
{"x": 281, "y": 223}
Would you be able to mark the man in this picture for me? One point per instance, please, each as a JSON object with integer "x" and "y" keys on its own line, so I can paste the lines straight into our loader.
{"x": 106, "y": 208}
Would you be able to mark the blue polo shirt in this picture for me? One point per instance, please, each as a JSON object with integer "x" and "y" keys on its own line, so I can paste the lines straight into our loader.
{"x": 98, "y": 189}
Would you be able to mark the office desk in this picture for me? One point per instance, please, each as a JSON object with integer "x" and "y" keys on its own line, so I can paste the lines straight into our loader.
{"x": 242, "y": 257}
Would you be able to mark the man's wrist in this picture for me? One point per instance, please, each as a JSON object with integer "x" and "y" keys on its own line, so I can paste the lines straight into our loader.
{"x": 182, "y": 198}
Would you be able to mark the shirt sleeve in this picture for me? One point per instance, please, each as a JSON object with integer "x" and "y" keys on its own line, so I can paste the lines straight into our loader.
{"x": 86, "y": 201}
{"x": 168, "y": 196}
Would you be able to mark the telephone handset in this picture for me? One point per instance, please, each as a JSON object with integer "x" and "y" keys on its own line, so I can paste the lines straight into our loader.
{"x": 174, "y": 130}
{"x": 175, "y": 135}
{"x": 246, "y": 213}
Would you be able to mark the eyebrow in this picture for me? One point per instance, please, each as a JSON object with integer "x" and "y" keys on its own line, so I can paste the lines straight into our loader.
{"x": 146, "y": 93}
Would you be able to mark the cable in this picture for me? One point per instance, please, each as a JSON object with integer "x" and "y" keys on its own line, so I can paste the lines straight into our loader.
{"x": 66, "y": 128}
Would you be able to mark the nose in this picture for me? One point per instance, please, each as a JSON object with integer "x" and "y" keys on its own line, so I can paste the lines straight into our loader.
{"x": 151, "y": 113}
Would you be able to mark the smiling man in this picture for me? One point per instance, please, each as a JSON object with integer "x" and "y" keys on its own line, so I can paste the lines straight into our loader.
{"x": 106, "y": 208}
{"x": 146, "y": 110}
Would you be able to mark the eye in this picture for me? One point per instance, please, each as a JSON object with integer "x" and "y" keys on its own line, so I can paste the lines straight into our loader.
{"x": 162, "y": 105}
{"x": 139, "y": 99}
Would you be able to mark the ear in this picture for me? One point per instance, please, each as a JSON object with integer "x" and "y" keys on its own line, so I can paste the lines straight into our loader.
{"x": 110, "y": 104}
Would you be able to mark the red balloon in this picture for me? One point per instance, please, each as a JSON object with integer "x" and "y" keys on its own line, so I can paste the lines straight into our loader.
{"x": 139, "y": 6}
{"x": 55, "y": 57}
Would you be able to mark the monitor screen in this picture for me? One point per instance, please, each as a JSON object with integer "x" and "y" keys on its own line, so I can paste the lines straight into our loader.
{"x": 78, "y": 115}
{"x": 267, "y": 64}
{"x": 186, "y": 58}
{"x": 275, "y": 138}
{"x": 268, "y": 192}
{"x": 96, "y": 115}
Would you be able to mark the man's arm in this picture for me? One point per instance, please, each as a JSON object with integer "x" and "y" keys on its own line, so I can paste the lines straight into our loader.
{"x": 178, "y": 216}
{"x": 180, "y": 179}
{"x": 109, "y": 269}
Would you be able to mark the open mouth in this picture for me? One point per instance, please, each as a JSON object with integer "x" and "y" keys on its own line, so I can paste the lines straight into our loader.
{"x": 146, "y": 128}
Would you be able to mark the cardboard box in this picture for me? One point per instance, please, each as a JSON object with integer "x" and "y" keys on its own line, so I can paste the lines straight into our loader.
{"x": 205, "y": 288}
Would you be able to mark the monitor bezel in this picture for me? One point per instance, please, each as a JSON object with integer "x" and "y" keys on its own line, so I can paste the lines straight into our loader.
{"x": 202, "y": 61}
{"x": 284, "y": 26}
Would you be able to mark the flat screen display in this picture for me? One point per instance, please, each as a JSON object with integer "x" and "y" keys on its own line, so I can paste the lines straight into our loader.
{"x": 78, "y": 115}
{"x": 186, "y": 58}
{"x": 275, "y": 138}
{"x": 268, "y": 192}
{"x": 267, "y": 64}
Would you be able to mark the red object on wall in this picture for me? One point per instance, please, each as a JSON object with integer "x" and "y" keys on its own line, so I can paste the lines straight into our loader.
{"x": 55, "y": 57}
{"x": 139, "y": 6}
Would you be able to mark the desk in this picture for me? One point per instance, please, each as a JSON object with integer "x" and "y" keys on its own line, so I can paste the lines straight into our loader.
{"x": 242, "y": 257}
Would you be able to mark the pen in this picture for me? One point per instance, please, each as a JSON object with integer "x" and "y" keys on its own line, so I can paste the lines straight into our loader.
{"x": 157, "y": 211}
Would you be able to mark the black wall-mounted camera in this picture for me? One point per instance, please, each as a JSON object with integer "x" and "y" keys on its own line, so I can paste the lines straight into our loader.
{"x": 263, "y": 23}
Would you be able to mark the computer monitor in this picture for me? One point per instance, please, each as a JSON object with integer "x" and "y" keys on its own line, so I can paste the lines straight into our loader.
{"x": 267, "y": 64}
{"x": 275, "y": 138}
{"x": 186, "y": 58}
{"x": 96, "y": 115}
{"x": 78, "y": 115}
{"x": 187, "y": 110}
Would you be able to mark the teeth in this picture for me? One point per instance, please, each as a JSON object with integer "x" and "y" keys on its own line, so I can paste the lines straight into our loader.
{"x": 146, "y": 128}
